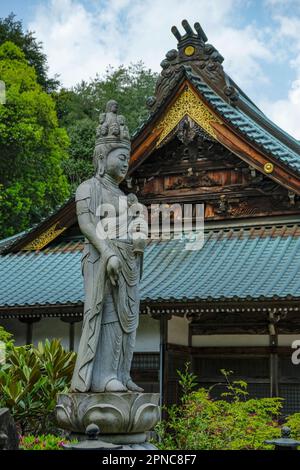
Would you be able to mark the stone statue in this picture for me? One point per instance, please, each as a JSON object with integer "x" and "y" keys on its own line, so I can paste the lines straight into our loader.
{"x": 111, "y": 267}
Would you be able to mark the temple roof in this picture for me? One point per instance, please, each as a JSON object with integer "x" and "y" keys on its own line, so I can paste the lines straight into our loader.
{"x": 234, "y": 264}
{"x": 251, "y": 129}
{"x": 224, "y": 110}
{"x": 193, "y": 82}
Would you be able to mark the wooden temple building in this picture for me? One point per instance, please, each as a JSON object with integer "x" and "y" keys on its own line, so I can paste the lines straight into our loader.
{"x": 234, "y": 304}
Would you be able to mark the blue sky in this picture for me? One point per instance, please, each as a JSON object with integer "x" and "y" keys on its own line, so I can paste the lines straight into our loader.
{"x": 259, "y": 40}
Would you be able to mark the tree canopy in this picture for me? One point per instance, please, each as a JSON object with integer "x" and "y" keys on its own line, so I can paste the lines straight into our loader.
{"x": 32, "y": 146}
{"x": 12, "y": 30}
{"x": 78, "y": 110}
{"x": 47, "y": 134}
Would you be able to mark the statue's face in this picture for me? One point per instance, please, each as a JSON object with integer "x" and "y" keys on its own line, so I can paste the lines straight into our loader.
{"x": 117, "y": 164}
{"x": 112, "y": 107}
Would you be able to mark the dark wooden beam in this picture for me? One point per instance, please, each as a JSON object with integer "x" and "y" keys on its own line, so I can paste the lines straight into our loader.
{"x": 238, "y": 145}
{"x": 229, "y": 350}
{"x": 57, "y": 310}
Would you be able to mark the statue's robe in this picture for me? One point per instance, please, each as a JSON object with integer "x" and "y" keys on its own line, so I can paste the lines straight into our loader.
{"x": 119, "y": 304}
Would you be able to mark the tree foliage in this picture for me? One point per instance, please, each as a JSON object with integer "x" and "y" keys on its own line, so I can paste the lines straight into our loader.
{"x": 234, "y": 422}
{"x": 47, "y": 136}
{"x": 78, "y": 110}
{"x": 32, "y": 146}
{"x": 30, "y": 380}
{"x": 12, "y": 30}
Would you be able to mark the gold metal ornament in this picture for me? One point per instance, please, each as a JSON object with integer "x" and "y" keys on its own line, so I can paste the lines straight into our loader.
{"x": 189, "y": 104}
{"x": 45, "y": 238}
{"x": 189, "y": 51}
{"x": 268, "y": 167}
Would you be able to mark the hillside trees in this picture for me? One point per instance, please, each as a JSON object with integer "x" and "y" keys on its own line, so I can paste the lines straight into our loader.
{"x": 32, "y": 146}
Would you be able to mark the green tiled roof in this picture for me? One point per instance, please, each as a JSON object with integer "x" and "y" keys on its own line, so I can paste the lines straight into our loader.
{"x": 286, "y": 151}
{"x": 233, "y": 264}
{"x": 247, "y": 126}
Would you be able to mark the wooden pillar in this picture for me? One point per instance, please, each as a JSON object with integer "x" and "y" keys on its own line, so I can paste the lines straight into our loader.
{"x": 71, "y": 335}
{"x": 29, "y": 328}
{"x": 29, "y": 331}
{"x": 163, "y": 318}
{"x": 190, "y": 338}
{"x": 71, "y": 321}
{"x": 163, "y": 359}
{"x": 273, "y": 345}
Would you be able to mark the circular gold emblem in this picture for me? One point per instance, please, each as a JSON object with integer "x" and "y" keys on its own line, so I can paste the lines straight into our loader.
{"x": 268, "y": 167}
{"x": 189, "y": 50}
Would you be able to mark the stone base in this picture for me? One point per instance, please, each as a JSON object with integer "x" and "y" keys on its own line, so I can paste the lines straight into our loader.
{"x": 123, "y": 418}
{"x": 8, "y": 433}
{"x": 136, "y": 438}
{"x": 143, "y": 446}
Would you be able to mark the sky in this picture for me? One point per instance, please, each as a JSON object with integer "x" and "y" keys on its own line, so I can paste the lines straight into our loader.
{"x": 259, "y": 40}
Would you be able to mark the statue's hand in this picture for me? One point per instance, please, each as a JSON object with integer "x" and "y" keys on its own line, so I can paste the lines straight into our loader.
{"x": 113, "y": 269}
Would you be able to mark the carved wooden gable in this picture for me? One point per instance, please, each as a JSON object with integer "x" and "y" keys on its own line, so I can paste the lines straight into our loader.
{"x": 190, "y": 165}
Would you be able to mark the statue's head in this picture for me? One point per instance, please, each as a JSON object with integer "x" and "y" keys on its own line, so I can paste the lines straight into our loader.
{"x": 112, "y": 149}
{"x": 113, "y": 160}
{"x": 112, "y": 107}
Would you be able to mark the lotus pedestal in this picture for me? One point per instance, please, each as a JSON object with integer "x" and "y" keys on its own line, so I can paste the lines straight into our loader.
{"x": 123, "y": 418}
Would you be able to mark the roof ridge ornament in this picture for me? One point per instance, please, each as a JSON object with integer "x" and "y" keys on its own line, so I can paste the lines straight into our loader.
{"x": 193, "y": 55}
{"x": 199, "y": 37}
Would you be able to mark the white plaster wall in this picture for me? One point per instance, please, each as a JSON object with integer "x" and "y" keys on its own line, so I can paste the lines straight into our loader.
{"x": 178, "y": 331}
{"x": 45, "y": 328}
{"x": 51, "y": 328}
{"x": 147, "y": 339}
{"x": 147, "y": 336}
{"x": 230, "y": 340}
{"x": 286, "y": 340}
{"x": 18, "y": 329}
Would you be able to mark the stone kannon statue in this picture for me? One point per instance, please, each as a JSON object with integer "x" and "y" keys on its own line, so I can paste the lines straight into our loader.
{"x": 110, "y": 266}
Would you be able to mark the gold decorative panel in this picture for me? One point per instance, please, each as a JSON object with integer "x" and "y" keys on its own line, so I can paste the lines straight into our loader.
{"x": 45, "y": 238}
{"x": 188, "y": 103}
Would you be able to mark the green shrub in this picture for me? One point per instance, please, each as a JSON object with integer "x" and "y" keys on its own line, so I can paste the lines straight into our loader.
{"x": 43, "y": 442}
{"x": 6, "y": 338}
{"x": 237, "y": 422}
{"x": 29, "y": 382}
{"x": 293, "y": 422}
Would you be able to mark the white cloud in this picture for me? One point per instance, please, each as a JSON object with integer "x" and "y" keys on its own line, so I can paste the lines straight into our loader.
{"x": 243, "y": 51}
{"x": 288, "y": 28}
{"x": 286, "y": 112}
{"x": 81, "y": 42}
{"x": 71, "y": 40}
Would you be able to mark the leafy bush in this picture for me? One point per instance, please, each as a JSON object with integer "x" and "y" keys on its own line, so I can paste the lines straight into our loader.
{"x": 237, "y": 422}
{"x": 43, "y": 442}
{"x": 30, "y": 380}
{"x": 6, "y": 338}
{"x": 293, "y": 422}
